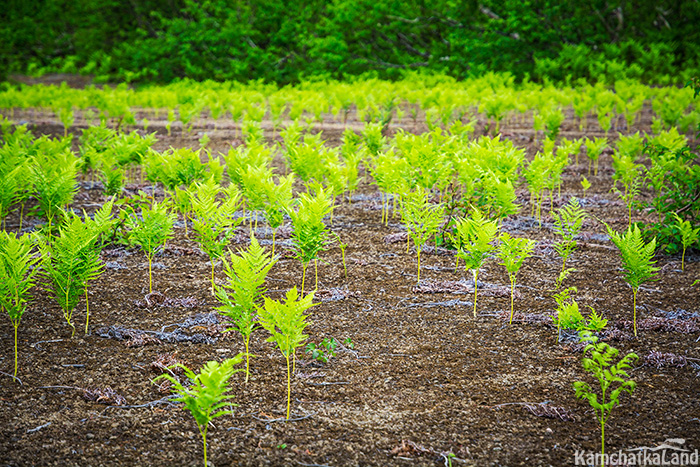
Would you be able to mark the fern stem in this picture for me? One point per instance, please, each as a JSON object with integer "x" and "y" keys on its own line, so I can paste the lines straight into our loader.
{"x": 345, "y": 268}
{"x": 683, "y": 260}
{"x": 476, "y": 273}
{"x": 602, "y": 442}
{"x": 274, "y": 232}
{"x": 150, "y": 276}
{"x": 212, "y": 277}
{"x": 87, "y": 309}
{"x": 289, "y": 386}
{"x": 16, "y": 356}
{"x": 512, "y": 292}
{"x": 303, "y": 277}
{"x": 418, "y": 253}
{"x": 634, "y": 305}
{"x": 21, "y": 216}
{"x": 246, "y": 339}
{"x": 204, "y": 442}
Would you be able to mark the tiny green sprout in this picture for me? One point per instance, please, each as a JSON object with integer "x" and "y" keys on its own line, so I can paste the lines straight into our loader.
{"x": 286, "y": 322}
{"x": 206, "y": 397}
{"x": 568, "y": 315}
{"x": 513, "y": 252}
{"x": 422, "y": 219}
{"x": 568, "y": 223}
{"x": 324, "y": 351}
{"x": 637, "y": 260}
{"x": 585, "y": 184}
{"x": 204, "y": 141}
{"x": 612, "y": 378}
{"x": 17, "y": 271}
{"x": 474, "y": 237}
{"x": 689, "y": 235}
{"x": 595, "y": 322}
{"x": 150, "y": 231}
{"x": 349, "y": 343}
{"x": 244, "y": 291}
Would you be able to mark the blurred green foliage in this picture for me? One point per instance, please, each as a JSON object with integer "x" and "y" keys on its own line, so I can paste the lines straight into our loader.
{"x": 285, "y": 41}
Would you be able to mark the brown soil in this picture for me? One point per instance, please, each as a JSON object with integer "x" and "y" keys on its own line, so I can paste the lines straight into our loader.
{"x": 425, "y": 377}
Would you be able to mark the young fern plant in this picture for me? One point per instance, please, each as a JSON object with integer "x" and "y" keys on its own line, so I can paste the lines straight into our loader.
{"x": 213, "y": 222}
{"x": 17, "y": 272}
{"x": 422, "y": 219}
{"x": 54, "y": 185}
{"x": 627, "y": 172}
{"x": 71, "y": 260}
{"x": 512, "y": 253}
{"x": 101, "y": 222}
{"x": 594, "y": 148}
{"x": 10, "y": 190}
{"x": 278, "y": 201}
{"x": 567, "y": 315}
{"x": 286, "y": 323}
{"x": 689, "y": 235}
{"x": 567, "y": 223}
{"x": 612, "y": 378}
{"x": 474, "y": 237}
{"x": 240, "y": 296}
{"x": 205, "y": 397}
{"x": 637, "y": 260}
{"x": 310, "y": 234}
{"x": 150, "y": 231}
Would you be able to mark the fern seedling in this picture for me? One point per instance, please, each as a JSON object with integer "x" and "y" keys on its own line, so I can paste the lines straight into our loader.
{"x": 567, "y": 315}
{"x": 72, "y": 259}
{"x": 585, "y": 184}
{"x": 594, "y": 148}
{"x": 689, "y": 235}
{"x": 239, "y": 297}
{"x": 10, "y": 188}
{"x": 206, "y": 397}
{"x": 513, "y": 252}
{"x": 98, "y": 225}
{"x": 150, "y": 231}
{"x": 627, "y": 172}
{"x": 286, "y": 322}
{"x": 310, "y": 234}
{"x": 213, "y": 222}
{"x": 422, "y": 220}
{"x": 637, "y": 260}
{"x": 568, "y": 223}
{"x": 278, "y": 201}
{"x": 54, "y": 185}
{"x": 612, "y": 378}
{"x": 17, "y": 271}
{"x": 474, "y": 237}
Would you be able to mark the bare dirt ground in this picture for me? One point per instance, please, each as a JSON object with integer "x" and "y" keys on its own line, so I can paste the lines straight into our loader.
{"x": 425, "y": 377}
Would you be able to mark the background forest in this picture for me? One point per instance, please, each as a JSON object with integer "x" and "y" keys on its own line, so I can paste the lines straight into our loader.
{"x": 287, "y": 41}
